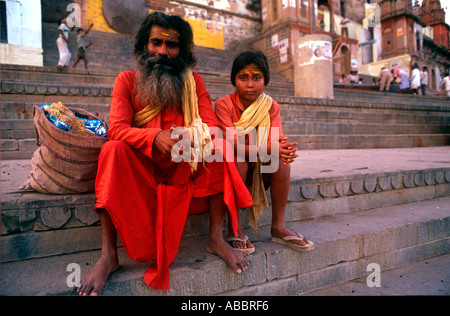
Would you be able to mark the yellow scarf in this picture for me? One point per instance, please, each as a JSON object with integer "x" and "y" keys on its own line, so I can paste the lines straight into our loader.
{"x": 256, "y": 116}
{"x": 198, "y": 131}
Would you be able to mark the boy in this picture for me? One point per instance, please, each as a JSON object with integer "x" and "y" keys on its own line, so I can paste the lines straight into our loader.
{"x": 250, "y": 74}
{"x": 82, "y": 47}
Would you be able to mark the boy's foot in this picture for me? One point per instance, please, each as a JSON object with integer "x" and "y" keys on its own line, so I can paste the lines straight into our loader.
{"x": 291, "y": 239}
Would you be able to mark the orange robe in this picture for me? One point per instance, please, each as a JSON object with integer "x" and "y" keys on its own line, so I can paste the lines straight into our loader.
{"x": 148, "y": 196}
{"x": 229, "y": 110}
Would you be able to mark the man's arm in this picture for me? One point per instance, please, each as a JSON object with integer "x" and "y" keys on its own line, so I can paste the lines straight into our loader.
{"x": 121, "y": 114}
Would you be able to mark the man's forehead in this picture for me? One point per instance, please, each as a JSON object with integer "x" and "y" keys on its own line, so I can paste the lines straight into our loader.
{"x": 164, "y": 33}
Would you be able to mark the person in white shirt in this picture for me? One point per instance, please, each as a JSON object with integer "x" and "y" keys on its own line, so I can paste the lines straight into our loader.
{"x": 446, "y": 84}
{"x": 424, "y": 80}
{"x": 415, "y": 79}
{"x": 62, "y": 41}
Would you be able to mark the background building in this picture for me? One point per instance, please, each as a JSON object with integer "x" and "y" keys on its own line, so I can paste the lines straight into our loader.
{"x": 381, "y": 33}
{"x": 21, "y": 32}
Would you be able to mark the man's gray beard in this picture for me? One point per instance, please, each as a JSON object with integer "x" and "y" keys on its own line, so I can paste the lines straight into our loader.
{"x": 158, "y": 87}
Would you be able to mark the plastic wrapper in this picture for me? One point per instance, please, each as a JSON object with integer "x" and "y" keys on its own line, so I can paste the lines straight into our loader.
{"x": 67, "y": 120}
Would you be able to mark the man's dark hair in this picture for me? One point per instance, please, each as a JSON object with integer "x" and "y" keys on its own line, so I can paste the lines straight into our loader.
{"x": 186, "y": 37}
{"x": 250, "y": 57}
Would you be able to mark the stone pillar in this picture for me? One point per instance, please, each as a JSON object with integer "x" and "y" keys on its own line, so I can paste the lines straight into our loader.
{"x": 313, "y": 66}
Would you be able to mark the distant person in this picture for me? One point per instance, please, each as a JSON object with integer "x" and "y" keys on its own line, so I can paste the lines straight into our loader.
{"x": 424, "y": 80}
{"x": 395, "y": 73}
{"x": 446, "y": 84}
{"x": 353, "y": 77}
{"x": 385, "y": 79}
{"x": 82, "y": 47}
{"x": 404, "y": 81}
{"x": 344, "y": 26}
{"x": 62, "y": 42}
{"x": 415, "y": 79}
{"x": 342, "y": 79}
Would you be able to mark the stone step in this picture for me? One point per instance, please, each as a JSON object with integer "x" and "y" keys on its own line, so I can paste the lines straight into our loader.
{"x": 346, "y": 244}
{"x": 24, "y": 128}
{"x": 299, "y": 114}
{"x": 217, "y": 81}
{"x": 311, "y": 142}
{"x": 13, "y": 149}
{"x": 344, "y": 128}
{"x": 52, "y": 75}
{"x": 389, "y": 98}
{"x": 426, "y": 277}
{"x": 323, "y": 183}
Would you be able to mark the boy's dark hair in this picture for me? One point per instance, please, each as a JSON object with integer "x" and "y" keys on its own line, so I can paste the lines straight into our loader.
{"x": 186, "y": 37}
{"x": 247, "y": 58}
{"x": 80, "y": 30}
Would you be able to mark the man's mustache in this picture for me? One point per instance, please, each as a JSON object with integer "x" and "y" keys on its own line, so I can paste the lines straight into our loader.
{"x": 162, "y": 63}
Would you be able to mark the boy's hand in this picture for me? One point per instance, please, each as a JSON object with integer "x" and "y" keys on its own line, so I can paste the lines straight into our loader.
{"x": 287, "y": 150}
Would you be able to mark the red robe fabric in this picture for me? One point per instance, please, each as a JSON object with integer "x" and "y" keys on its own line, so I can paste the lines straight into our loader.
{"x": 148, "y": 196}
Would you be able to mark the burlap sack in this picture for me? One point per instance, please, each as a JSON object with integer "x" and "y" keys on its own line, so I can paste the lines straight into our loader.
{"x": 64, "y": 163}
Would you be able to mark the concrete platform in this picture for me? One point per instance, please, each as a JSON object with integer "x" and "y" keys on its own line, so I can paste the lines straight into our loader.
{"x": 311, "y": 164}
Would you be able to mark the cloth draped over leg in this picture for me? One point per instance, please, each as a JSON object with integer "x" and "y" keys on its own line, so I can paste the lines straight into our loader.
{"x": 256, "y": 116}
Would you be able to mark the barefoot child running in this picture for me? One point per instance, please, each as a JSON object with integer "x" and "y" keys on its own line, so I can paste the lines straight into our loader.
{"x": 251, "y": 112}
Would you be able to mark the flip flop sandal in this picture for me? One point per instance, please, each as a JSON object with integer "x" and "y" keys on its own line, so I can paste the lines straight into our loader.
{"x": 247, "y": 251}
{"x": 287, "y": 242}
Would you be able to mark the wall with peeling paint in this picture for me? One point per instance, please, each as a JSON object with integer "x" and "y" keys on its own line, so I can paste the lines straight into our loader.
{"x": 221, "y": 24}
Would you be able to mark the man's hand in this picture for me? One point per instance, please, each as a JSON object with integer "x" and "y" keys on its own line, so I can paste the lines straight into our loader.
{"x": 164, "y": 141}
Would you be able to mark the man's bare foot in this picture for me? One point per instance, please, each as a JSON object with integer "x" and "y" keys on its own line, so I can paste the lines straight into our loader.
{"x": 93, "y": 282}
{"x": 235, "y": 259}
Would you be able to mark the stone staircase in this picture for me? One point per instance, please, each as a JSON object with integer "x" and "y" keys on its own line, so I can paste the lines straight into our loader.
{"x": 352, "y": 120}
{"x": 375, "y": 189}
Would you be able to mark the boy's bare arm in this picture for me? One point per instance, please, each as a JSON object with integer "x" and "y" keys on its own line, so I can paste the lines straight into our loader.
{"x": 89, "y": 28}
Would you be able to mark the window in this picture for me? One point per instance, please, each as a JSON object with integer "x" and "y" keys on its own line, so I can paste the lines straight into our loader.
{"x": 3, "y": 24}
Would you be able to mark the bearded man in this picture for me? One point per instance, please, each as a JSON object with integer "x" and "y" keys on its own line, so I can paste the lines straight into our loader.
{"x": 142, "y": 193}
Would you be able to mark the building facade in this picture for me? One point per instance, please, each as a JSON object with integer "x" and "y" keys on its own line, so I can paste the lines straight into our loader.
{"x": 21, "y": 32}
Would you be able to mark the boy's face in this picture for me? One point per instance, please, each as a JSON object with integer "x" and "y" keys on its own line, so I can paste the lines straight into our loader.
{"x": 249, "y": 84}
